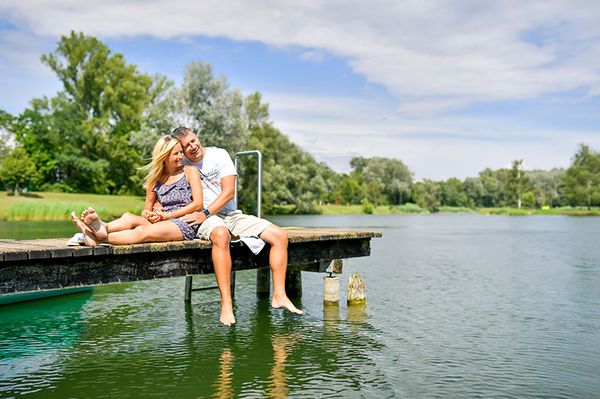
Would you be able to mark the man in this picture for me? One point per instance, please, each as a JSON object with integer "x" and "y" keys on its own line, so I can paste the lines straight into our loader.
{"x": 220, "y": 219}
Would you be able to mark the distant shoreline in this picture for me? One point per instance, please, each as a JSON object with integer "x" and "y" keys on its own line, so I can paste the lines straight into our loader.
{"x": 415, "y": 209}
{"x": 45, "y": 206}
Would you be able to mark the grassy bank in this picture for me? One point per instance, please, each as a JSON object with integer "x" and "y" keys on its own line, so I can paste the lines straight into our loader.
{"x": 567, "y": 210}
{"x": 375, "y": 210}
{"x": 57, "y": 206}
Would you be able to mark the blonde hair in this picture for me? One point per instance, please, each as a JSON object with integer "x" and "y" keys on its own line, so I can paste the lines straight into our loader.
{"x": 160, "y": 153}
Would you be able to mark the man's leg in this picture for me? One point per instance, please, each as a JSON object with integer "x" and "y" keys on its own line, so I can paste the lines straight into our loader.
{"x": 278, "y": 238}
{"x": 221, "y": 258}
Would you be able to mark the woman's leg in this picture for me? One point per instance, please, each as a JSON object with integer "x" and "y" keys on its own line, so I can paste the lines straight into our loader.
{"x": 127, "y": 221}
{"x": 158, "y": 232}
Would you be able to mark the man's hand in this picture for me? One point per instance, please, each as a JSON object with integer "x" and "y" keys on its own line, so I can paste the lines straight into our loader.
{"x": 194, "y": 218}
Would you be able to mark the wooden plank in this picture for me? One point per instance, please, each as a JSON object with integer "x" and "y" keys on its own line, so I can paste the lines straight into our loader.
{"x": 101, "y": 250}
{"x": 58, "y": 247}
{"x": 82, "y": 251}
{"x": 38, "y": 254}
{"x": 9, "y": 256}
{"x": 50, "y": 263}
{"x": 92, "y": 270}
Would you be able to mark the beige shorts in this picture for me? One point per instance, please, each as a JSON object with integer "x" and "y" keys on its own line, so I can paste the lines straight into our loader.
{"x": 239, "y": 225}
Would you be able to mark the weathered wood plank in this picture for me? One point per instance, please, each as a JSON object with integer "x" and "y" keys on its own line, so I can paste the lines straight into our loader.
{"x": 54, "y": 265}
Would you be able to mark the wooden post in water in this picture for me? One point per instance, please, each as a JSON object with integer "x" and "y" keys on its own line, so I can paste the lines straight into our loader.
{"x": 293, "y": 283}
{"x": 357, "y": 292}
{"x": 263, "y": 283}
{"x": 187, "y": 293}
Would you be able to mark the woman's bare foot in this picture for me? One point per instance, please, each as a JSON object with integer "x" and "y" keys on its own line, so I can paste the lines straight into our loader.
{"x": 227, "y": 316}
{"x": 282, "y": 301}
{"x": 91, "y": 219}
{"x": 89, "y": 239}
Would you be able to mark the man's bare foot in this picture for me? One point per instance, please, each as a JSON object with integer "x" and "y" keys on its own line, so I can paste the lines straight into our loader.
{"x": 227, "y": 317}
{"x": 91, "y": 219}
{"x": 89, "y": 239}
{"x": 284, "y": 302}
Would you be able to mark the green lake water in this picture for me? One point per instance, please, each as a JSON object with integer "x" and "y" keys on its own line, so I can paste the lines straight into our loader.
{"x": 458, "y": 306}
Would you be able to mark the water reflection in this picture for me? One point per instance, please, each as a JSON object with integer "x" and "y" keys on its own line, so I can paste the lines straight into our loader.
{"x": 134, "y": 340}
{"x": 282, "y": 347}
{"x": 223, "y": 387}
{"x": 356, "y": 315}
{"x": 35, "y": 337}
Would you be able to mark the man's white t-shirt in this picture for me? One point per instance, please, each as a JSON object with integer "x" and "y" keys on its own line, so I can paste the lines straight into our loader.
{"x": 215, "y": 165}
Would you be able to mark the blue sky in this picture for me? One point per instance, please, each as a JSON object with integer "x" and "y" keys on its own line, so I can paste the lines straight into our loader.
{"x": 448, "y": 87}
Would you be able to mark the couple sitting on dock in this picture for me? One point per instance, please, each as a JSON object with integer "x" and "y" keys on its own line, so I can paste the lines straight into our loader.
{"x": 194, "y": 187}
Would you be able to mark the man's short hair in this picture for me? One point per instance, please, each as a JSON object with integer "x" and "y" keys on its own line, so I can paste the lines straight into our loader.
{"x": 180, "y": 132}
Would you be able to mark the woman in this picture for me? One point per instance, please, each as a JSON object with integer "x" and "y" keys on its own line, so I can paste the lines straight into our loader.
{"x": 175, "y": 186}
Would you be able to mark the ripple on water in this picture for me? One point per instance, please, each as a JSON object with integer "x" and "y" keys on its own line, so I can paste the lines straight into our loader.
{"x": 488, "y": 307}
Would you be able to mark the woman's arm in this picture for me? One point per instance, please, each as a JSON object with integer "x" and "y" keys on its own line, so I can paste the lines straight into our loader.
{"x": 193, "y": 177}
{"x": 148, "y": 211}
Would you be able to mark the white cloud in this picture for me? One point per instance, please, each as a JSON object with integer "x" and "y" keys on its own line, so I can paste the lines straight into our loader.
{"x": 431, "y": 55}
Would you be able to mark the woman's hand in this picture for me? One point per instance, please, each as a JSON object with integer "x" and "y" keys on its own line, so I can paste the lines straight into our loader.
{"x": 151, "y": 216}
{"x": 162, "y": 214}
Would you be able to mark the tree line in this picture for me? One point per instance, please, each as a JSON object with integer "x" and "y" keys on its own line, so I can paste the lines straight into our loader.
{"x": 94, "y": 134}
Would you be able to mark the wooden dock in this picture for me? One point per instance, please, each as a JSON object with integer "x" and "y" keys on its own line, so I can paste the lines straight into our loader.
{"x": 31, "y": 265}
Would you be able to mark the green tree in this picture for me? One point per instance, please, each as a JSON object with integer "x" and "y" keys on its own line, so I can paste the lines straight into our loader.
{"x": 211, "y": 109}
{"x": 290, "y": 175}
{"x": 426, "y": 194}
{"x": 391, "y": 177}
{"x": 6, "y": 121}
{"x": 374, "y": 192}
{"x": 582, "y": 180}
{"x": 517, "y": 184}
{"x": 17, "y": 170}
{"x": 494, "y": 185}
{"x": 346, "y": 189}
{"x": 548, "y": 186}
{"x": 452, "y": 193}
{"x": 80, "y": 140}
{"x": 475, "y": 192}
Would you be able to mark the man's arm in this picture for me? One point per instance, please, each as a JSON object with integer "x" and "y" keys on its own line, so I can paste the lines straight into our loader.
{"x": 226, "y": 195}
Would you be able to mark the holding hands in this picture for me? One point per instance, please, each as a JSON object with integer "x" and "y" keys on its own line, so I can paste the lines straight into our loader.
{"x": 152, "y": 216}
{"x": 156, "y": 214}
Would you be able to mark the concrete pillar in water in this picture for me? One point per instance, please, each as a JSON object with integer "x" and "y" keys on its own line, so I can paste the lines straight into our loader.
{"x": 331, "y": 289}
{"x": 357, "y": 292}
